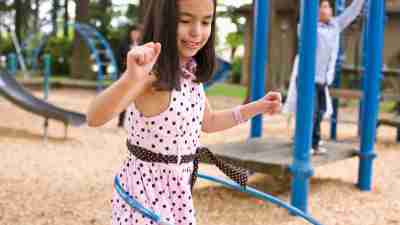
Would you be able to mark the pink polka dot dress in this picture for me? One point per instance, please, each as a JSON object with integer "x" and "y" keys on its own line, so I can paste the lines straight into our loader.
{"x": 164, "y": 188}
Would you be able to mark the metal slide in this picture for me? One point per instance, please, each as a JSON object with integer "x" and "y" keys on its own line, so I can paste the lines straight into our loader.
{"x": 14, "y": 92}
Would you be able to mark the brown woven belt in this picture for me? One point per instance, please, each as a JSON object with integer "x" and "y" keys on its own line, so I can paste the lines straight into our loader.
{"x": 237, "y": 174}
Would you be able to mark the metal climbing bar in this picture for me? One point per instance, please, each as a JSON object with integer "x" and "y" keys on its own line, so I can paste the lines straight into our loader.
{"x": 365, "y": 58}
{"x": 93, "y": 50}
{"x": 371, "y": 92}
{"x": 340, "y": 6}
{"x": 301, "y": 167}
{"x": 259, "y": 59}
{"x": 92, "y": 38}
{"x": 108, "y": 51}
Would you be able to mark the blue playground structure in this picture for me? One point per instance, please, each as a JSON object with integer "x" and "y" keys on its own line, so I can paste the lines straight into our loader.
{"x": 301, "y": 168}
{"x": 340, "y": 5}
{"x": 222, "y": 73}
{"x": 395, "y": 121}
{"x": 18, "y": 95}
{"x": 100, "y": 52}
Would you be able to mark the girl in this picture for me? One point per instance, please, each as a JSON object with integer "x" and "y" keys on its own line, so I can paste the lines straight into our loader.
{"x": 329, "y": 29}
{"x": 167, "y": 110}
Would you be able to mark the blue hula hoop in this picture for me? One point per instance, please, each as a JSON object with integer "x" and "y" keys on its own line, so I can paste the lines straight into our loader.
{"x": 227, "y": 183}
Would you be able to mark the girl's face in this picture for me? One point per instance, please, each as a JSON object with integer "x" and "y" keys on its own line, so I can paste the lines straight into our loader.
{"x": 194, "y": 26}
{"x": 325, "y": 12}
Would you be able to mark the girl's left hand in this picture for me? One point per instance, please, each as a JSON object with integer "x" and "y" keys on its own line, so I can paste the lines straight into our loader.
{"x": 271, "y": 103}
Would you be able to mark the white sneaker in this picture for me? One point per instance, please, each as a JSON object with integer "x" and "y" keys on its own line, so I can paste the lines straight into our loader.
{"x": 320, "y": 143}
{"x": 320, "y": 151}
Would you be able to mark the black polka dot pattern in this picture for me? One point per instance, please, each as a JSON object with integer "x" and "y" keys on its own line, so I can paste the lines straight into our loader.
{"x": 164, "y": 188}
{"x": 237, "y": 174}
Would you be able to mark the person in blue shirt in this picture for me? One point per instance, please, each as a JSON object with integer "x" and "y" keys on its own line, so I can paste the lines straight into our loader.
{"x": 328, "y": 38}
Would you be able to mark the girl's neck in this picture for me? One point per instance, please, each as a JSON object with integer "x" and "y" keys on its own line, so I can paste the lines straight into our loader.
{"x": 183, "y": 61}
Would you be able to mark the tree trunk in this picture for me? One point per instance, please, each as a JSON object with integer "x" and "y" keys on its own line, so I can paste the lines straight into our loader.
{"x": 66, "y": 18}
{"x": 233, "y": 53}
{"x": 27, "y": 14}
{"x": 36, "y": 19}
{"x": 54, "y": 13}
{"x": 104, "y": 5}
{"x": 81, "y": 63}
{"x": 18, "y": 17}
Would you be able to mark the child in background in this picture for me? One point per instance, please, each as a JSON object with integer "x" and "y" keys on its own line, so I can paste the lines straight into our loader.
{"x": 328, "y": 36}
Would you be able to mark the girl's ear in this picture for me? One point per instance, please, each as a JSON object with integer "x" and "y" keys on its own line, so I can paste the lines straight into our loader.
{"x": 157, "y": 48}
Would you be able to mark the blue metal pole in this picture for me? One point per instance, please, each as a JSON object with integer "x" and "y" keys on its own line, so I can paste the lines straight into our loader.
{"x": 47, "y": 74}
{"x": 8, "y": 63}
{"x": 301, "y": 167}
{"x": 36, "y": 52}
{"x": 259, "y": 59}
{"x": 12, "y": 63}
{"x": 371, "y": 92}
{"x": 340, "y": 6}
{"x": 364, "y": 62}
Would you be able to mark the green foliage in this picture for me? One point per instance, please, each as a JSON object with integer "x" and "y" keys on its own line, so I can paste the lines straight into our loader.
{"x": 6, "y": 5}
{"x": 100, "y": 15}
{"x": 133, "y": 13}
{"x": 60, "y": 49}
{"x": 235, "y": 39}
{"x": 227, "y": 90}
{"x": 237, "y": 69}
{"x": 6, "y": 46}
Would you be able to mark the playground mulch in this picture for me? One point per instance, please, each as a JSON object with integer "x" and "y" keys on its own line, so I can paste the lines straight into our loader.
{"x": 69, "y": 181}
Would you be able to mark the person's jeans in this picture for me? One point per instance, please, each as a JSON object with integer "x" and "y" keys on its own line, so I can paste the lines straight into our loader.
{"x": 319, "y": 111}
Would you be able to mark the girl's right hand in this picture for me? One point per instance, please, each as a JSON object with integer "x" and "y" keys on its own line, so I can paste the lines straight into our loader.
{"x": 140, "y": 62}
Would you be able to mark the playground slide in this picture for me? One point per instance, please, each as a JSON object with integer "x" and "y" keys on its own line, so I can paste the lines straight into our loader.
{"x": 221, "y": 74}
{"x": 12, "y": 91}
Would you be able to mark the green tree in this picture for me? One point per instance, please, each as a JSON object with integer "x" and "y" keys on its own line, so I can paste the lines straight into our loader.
{"x": 100, "y": 14}
{"x": 234, "y": 39}
{"x": 133, "y": 14}
{"x": 54, "y": 15}
{"x": 66, "y": 18}
{"x": 80, "y": 54}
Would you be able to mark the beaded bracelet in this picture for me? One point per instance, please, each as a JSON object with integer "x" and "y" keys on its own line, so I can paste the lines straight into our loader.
{"x": 237, "y": 115}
